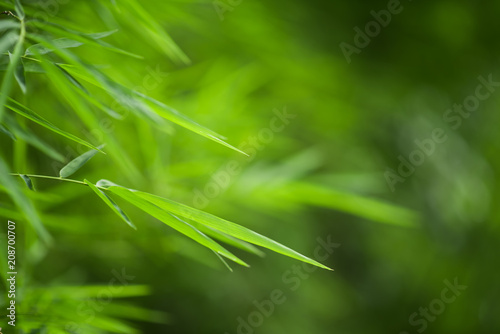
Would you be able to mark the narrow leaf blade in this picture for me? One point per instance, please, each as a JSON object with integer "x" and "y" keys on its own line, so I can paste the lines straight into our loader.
{"x": 219, "y": 224}
{"x": 174, "y": 222}
{"x": 109, "y": 202}
{"x": 77, "y": 163}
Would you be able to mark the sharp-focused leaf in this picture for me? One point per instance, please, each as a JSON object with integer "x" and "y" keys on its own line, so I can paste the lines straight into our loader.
{"x": 214, "y": 222}
{"x": 228, "y": 239}
{"x": 28, "y": 182}
{"x": 77, "y": 163}
{"x": 109, "y": 202}
{"x": 174, "y": 222}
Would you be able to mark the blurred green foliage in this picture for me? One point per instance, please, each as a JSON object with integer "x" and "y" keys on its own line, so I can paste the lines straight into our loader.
{"x": 317, "y": 177}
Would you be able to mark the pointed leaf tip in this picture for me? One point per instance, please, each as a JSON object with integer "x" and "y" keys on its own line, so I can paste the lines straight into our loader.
{"x": 77, "y": 163}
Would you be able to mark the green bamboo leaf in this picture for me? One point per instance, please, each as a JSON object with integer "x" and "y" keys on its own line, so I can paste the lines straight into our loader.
{"x": 106, "y": 199}
{"x": 174, "y": 222}
{"x": 77, "y": 163}
{"x": 216, "y": 223}
{"x": 228, "y": 239}
{"x": 31, "y": 115}
{"x": 19, "y": 9}
{"x": 28, "y": 182}
{"x": 19, "y": 75}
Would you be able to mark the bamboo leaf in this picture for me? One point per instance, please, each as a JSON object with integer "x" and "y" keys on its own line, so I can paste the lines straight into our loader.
{"x": 228, "y": 239}
{"x": 174, "y": 222}
{"x": 109, "y": 202}
{"x": 8, "y": 24}
{"x": 214, "y": 222}
{"x": 77, "y": 163}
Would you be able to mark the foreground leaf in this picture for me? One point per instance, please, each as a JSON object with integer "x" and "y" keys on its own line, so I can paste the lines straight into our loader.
{"x": 111, "y": 204}
{"x": 174, "y": 222}
{"x": 214, "y": 222}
